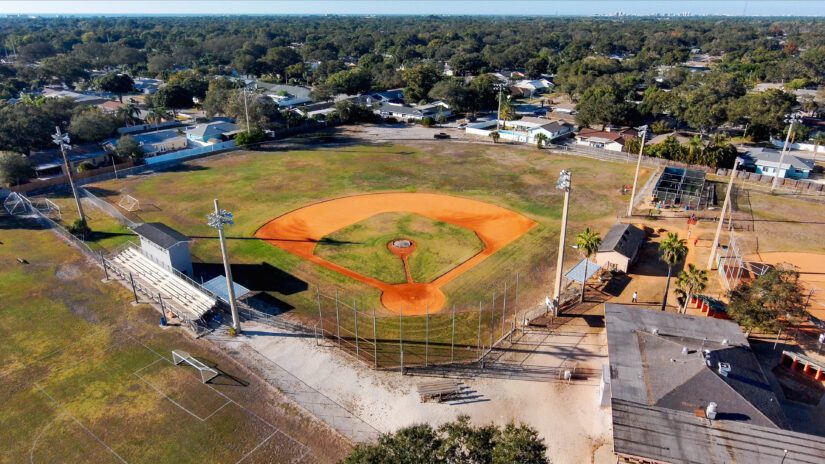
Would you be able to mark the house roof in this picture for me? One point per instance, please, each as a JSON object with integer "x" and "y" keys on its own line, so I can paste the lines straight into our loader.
{"x": 211, "y": 129}
{"x": 295, "y": 91}
{"x": 160, "y": 234}
{"x": 619, "y": 135}
{"x": 157, "y": 136}
{"x": 555, "y": 126}
{"x": 664, "y": 373}
{"x": 46, "y": 159}
{"x": 769, "y": 157}
{"x": 680, "y": 437}
{"x": 624, "y": 239}
{"x": 681, "y": 137}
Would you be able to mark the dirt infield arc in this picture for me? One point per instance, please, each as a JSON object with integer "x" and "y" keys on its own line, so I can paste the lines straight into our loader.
{"x": 300, "y": 230}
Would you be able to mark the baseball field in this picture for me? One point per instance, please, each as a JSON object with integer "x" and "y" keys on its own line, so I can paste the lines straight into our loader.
{"x": 483, "y": 221}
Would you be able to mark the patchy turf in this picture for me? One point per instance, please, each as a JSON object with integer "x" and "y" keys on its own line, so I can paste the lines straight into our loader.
{"x": 257, "y": 186}
{"x": 87, "y": 377}
{"x": 362, "y": 247}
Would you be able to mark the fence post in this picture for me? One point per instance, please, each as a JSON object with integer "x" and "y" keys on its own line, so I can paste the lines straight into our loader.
{"x": 504, "y": 309}
{"x": 452, "y": 339}
{"x": 401, "y": 338}
{"x": 355, "y": 313}
{"x": 337, "y": 320}
{"x": 426, "y": 334}
{"x": 162, "y": 307}
{"x": 320, "y": 314}
{"x": 515, "y": 298}
{"x": 105, "y": 271}
{"x": 134, "y": 290}
{"x": 492, "y": 321}
{"x": 374, "y": 339}
{"x": 478, "y": 344}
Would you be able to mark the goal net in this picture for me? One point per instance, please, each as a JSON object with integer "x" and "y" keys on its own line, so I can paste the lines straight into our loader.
{"x": 48, "y": 207}
{"x": 129, "y": 203}
{"x": 16, "y": 204}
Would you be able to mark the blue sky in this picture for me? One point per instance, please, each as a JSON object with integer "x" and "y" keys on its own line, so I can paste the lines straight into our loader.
{"x": 526, "y": 7}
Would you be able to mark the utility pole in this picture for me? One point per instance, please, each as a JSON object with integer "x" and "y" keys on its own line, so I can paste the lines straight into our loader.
{"x": 643, "y": 130}
{"x": 245, "y": 107}
{"x": 564, "y": 183}
{"x": 62, "y": 140}
{"x": 498, "y": 114}
{"x": 218, "y": 220}
{"x": 725, "y": 206}
{"x": 791, "y": 119}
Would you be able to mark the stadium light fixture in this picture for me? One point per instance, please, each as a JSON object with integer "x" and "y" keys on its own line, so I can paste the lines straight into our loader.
{"x": 63, "y": 141}
{"x": 642, "y": 130}
{"x": 790, "y": 119}
{"x": 564, "y": 183}
{"x": 219, "y": 220}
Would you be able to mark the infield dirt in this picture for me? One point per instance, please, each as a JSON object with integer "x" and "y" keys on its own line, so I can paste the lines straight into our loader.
{"x": 299, "y": 231}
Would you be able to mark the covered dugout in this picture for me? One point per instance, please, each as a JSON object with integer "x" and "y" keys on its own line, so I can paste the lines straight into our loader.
{"x": 683, "y": 188}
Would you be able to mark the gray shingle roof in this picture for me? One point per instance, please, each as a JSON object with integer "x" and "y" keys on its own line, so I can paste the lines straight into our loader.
{"x": 770, "y": 157}
{"x": 160, "y": 234}
{"x": 624, "y": 239}
{"x": 656, "y": 390}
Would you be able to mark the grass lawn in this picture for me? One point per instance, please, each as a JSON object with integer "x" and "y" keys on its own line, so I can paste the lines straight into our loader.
{"x": 87, "y": 377}
{"x": 362, "y": 247}
{"x": 782, "y": 222}
{"x": 107, "y": 233}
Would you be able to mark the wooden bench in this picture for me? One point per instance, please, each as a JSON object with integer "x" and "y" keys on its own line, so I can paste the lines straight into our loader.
{"x": 439, "y": 390}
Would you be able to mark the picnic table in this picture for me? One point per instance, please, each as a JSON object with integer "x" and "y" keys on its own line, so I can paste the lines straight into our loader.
{"x": 438, "y": 390}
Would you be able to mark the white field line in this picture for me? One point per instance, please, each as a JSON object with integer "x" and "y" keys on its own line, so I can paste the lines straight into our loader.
{"x": 63, "y": 409}
{"x": 275, "y": 429}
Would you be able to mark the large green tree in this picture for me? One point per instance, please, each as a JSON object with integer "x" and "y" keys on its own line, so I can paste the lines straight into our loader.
{"x": 762, "y": 303}
{"x": 116, "y": 83}
{"x": 92, "y": 125}
{"x": 456, "y": 442}
{"x": 420, "y": 80}
{"x": 600, "y": 106}
{"x": 14, "y": 168}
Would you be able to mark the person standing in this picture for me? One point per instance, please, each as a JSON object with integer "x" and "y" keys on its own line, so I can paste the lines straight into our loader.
{"x": 635, "y": 297}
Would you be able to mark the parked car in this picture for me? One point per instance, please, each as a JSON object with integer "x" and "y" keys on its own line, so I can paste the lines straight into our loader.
{"x": 441, "y": 135}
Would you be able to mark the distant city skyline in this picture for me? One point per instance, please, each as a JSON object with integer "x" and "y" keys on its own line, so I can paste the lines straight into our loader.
{"x": 409, "y": 7}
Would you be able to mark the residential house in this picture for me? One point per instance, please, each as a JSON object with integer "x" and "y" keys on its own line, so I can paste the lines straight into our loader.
{"x": 620, "y": 247}
{"x": 685, "y": 389}
{"x": 110, "y": 106}
{"x": 388, "y": 96}
{"x": 524, "y": 130}
{"x": 147, "y": 85}
{"x": 414, "y": 113}
{"x": 79, "y": 98}
{"x": 609, "y": 139}
{"x": 49, "y": 163}
{"x": 531, "y": 87}
{"x": 765, "y": 161}
{"x": 156, "y": 143}
{"x": 286, "y": 96}
{"x": 316, "y": 110}
{"x": 211, "y": 132}
{"x": 681, "y": 137}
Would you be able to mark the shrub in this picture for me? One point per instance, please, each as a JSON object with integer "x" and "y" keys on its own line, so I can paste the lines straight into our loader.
{"x": 14, "y": 168}
{"x": 427, "y": 122}
{"x": 254, "y": 135}
{"x": 79, "y": 228}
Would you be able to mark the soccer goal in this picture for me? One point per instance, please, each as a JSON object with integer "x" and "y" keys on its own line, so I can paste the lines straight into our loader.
{"x": 48, "y": 207}
{"x": 129, "y": 203}
{"x": 16, "y": 204}
{"x": 207, "y": 373}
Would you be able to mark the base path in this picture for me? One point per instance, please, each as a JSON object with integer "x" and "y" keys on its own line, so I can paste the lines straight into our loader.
{"x": 300, "y": 230}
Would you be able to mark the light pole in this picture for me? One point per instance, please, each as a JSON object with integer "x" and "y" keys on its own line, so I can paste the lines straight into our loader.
{"x": 62, "y": 140}
{"x": 722, "y": 214}
{"x": 564, "y": 183}
{"x": 218, "y": 220}
{"x": 643, "y": 130}
{"x": 791, "y": 119}
{"x": 498, "y": 114}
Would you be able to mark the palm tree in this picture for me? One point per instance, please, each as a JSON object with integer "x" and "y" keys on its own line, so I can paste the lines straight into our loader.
{"x": 494, "y": 135}
{"x": 508, "y": 111}
{"x": 673, "y": 250}
{"x": 694, "y": 145}
{"x": 819, "y": 139}
{"x": 690, "y": 281}
{"x": 156, "y": 115}
{"x": 540, "y": 140}
{"x": 587, "y": 242}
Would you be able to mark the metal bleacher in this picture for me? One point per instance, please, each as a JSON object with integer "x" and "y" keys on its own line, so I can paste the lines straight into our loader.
{"x": 184, "y": 299}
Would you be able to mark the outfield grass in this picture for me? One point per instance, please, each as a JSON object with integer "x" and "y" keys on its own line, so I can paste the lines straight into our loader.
{"x": 86, "y": 377}
{"x": 362, "y": 247}
{"x": 258, "y": 186}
